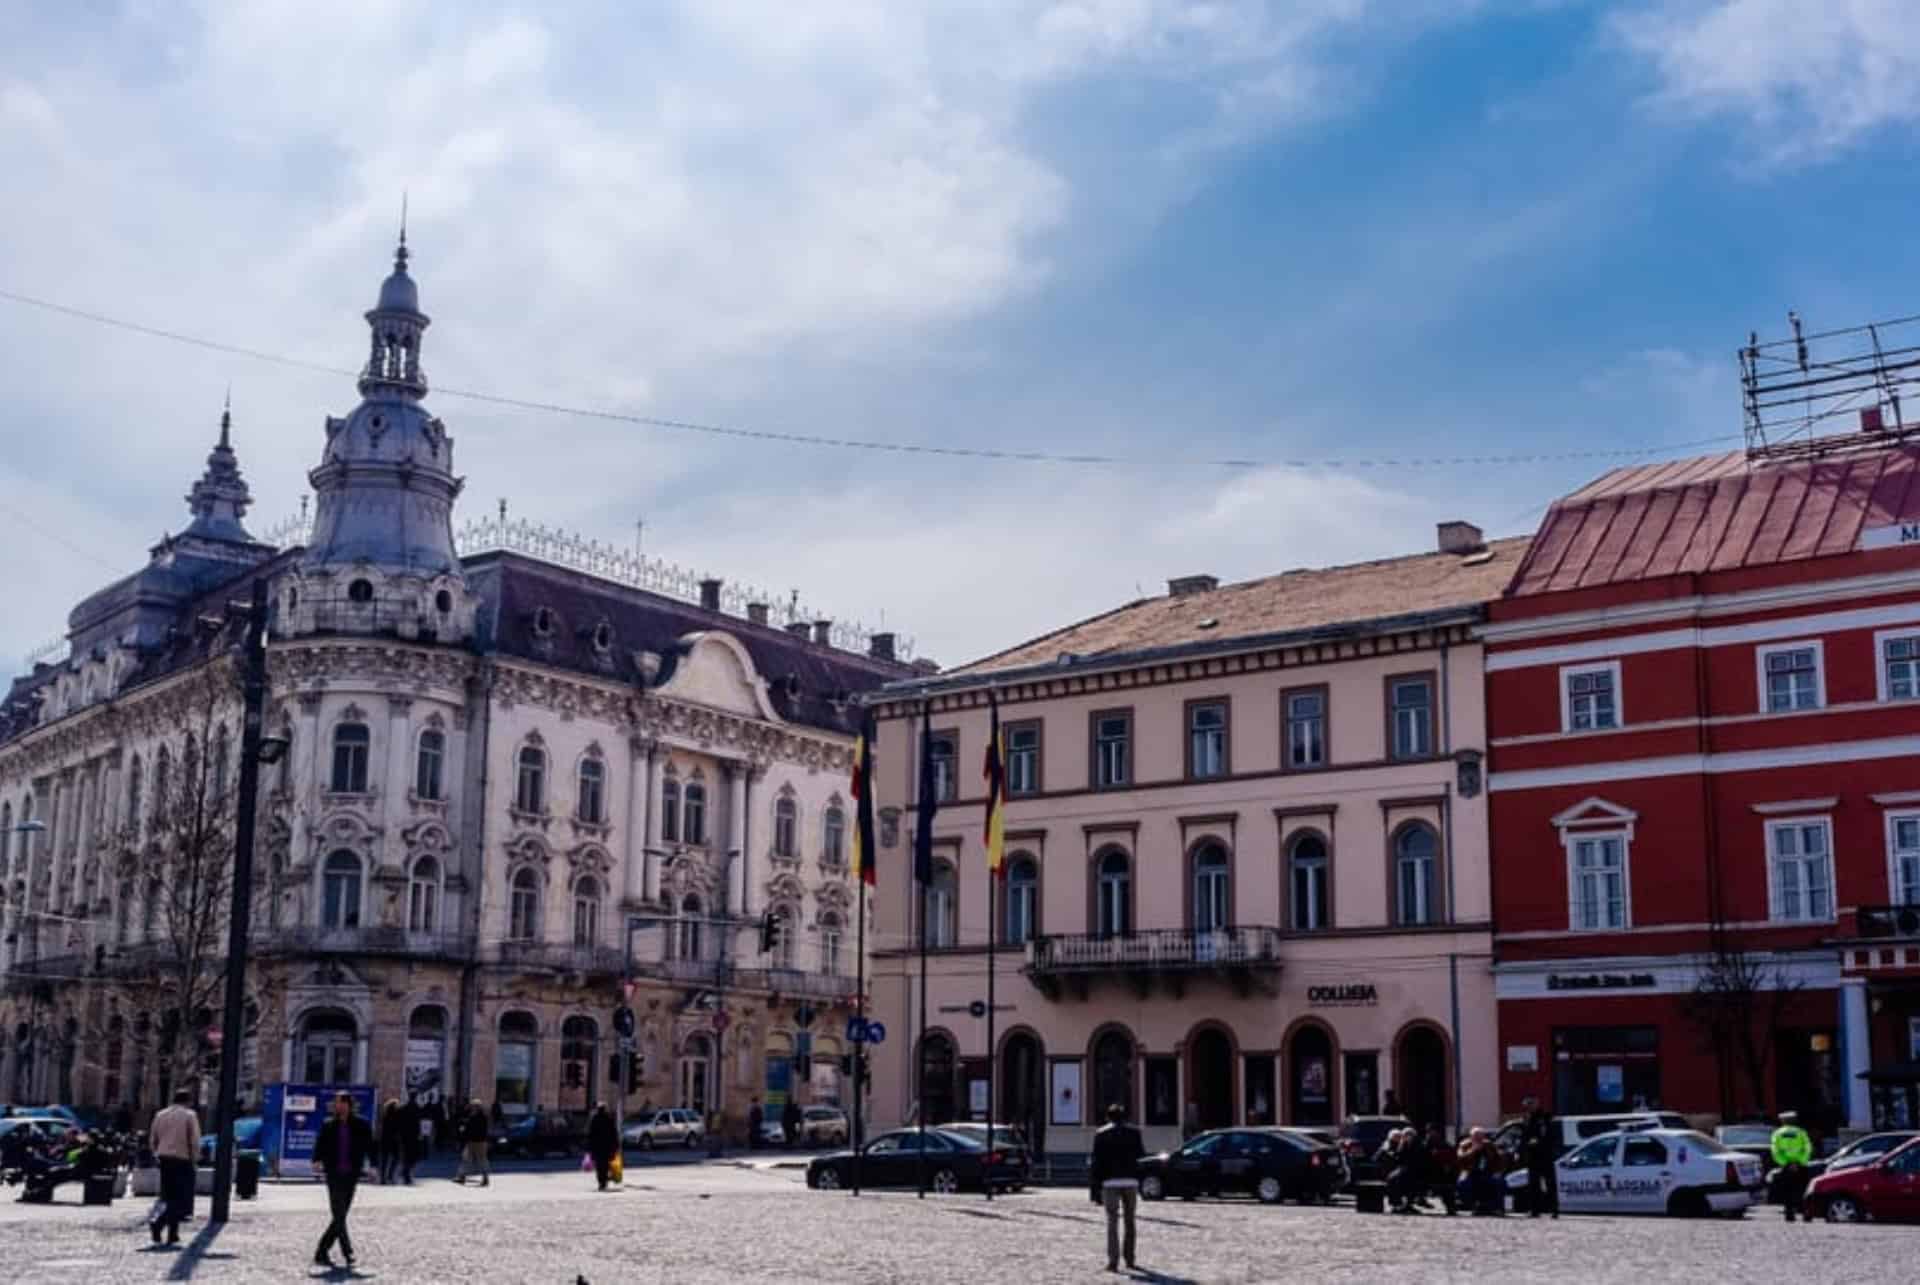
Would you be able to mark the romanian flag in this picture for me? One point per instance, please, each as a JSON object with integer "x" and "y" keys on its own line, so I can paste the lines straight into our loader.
{"x": 865, "y": 853}
{"x": 994, "y": 826}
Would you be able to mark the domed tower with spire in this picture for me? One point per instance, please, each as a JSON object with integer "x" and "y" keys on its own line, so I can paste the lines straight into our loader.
{"x": 381, "y": 557}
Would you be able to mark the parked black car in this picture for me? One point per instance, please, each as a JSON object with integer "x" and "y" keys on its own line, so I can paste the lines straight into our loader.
{"x": 540, "y": 1135}
{"x": 1361, "y": 1138}
{"x": 1008, "y": 1139}
{"x": 1271, "y": 1165}
{"x": 952, "y": 1162}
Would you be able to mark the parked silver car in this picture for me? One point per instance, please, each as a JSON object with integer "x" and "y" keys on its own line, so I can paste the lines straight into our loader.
{"x": 664, "y": 1127}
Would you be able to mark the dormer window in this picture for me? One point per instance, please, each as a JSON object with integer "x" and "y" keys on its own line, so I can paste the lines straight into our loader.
{"x": 543, "y": 622}
{"x": 443, "y": 602}
{"x": 603, "y": 637}
{"x": 360, "y": 591}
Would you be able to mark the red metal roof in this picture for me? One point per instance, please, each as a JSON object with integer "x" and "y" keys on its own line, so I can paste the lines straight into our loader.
{"x": 1717, "y": 513}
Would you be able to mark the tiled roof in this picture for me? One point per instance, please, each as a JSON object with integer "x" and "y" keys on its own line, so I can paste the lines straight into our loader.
{"x": 1294, "y": 601}
{"x": 809, "y": 682}
{"x": 1717, "y": 513}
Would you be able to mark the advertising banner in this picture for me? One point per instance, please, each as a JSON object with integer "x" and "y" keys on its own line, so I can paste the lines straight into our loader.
{"x": 291, "y": 1115}
{"x": 426, "y": 1082}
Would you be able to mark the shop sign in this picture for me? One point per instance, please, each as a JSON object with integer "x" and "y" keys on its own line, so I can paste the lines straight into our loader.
{"x": 1523, "y": 1057}
{"x": 1890, "y": 537}
{"x": 1346, "y": 993}
{"x": 1599, "y": 981}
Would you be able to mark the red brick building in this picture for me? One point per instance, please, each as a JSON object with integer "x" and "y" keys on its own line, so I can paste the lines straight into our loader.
{"x": 1704, "y": 731}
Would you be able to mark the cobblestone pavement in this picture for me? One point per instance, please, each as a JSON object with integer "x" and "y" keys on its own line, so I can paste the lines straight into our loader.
{"x": 753, "y": 1222}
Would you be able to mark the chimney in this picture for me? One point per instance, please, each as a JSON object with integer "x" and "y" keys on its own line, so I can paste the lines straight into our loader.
{"x": 823, "y": 632}
{"x": 880, "y": 646}
{"x": 710, "y": 595}
{"x": 798, "y": 628}
{"x": 1461, "y": 537}
{"x": 1181, "y": 586}
{"x": 757, "y": 612}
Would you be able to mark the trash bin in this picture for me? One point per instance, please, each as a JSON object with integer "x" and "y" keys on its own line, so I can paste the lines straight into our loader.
{"x": 98, "y": 1189}
{"x": 246, "y": 1174}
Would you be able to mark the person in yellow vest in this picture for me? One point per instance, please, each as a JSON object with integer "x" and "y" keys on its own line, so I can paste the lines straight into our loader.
{"x": 1792, "y": 1150}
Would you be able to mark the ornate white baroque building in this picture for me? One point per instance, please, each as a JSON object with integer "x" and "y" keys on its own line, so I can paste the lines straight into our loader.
{"x": 515, "y": 794}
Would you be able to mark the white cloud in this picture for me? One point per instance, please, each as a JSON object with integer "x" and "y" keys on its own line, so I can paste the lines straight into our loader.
{"x": 1810, "y": 78}
{"x": 678, "y": 209}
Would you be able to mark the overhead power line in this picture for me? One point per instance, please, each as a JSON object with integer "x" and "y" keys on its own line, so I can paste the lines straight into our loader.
{"x": 869, "y": 444}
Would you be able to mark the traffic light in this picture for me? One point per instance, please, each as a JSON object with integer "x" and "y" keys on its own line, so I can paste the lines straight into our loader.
{"x": 636, "y": 1068}
{"x": 613, "y": 1068}
{"x": 770, "y": 927}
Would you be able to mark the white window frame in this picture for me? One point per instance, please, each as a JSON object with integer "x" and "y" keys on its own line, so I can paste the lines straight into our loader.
{"x": 1880, "y": 640}
{"x": 1568, "y": 672}
{"x": 1894, "y": 818}
{"x": 1776, "y": 824}
{"x": 1760, "y": 654}
{"x": 1573, "y": 835}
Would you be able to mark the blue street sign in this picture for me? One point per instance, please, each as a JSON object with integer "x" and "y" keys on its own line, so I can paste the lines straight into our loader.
{"x": 856, "y": 1030}
{"x": 876, "y": 1033}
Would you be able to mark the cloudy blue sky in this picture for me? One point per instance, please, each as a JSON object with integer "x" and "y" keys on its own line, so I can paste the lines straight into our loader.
{"x": 1174, "y": 233}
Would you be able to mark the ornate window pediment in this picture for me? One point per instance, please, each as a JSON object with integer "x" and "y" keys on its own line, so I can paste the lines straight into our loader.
{"x": 528, "y": 850}
{"x": 590, "y": 858}
{"x": 427, "y": 837}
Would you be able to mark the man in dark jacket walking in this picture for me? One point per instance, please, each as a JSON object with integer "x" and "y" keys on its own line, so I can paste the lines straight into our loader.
{"x": 340, "y": 1152}
{"x": 474, "y": 1132}
{"x": 603, "y": 1143}
{"x": 790, "y": 1122}
{"x": 1539, "y": 1148}
{"x": 1117, "y": 1150}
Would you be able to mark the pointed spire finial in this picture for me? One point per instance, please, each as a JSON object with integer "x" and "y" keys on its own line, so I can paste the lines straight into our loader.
{"x": 400, "y": 253}
{"x": 226, "y": 421}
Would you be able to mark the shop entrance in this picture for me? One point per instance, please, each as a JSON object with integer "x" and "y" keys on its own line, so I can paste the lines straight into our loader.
{"x": 1210, "y": 1068}
{"x": 1363, "y": 1083}
{"x": 1422, "y": 1075}
{"x": 1310, "y": 1076}
{"x": 937, "y": 1070}
{"x": 1023, "y": 1090}
{"x": 1807, "y": 1072}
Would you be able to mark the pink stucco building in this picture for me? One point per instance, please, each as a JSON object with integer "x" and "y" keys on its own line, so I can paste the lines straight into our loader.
{"x": 1247, "y": 860}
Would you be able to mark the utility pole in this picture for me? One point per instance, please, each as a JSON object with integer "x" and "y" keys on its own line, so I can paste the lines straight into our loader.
{"x": 254, "y": 669}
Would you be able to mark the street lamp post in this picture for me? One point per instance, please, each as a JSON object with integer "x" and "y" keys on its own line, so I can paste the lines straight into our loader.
{"x": 254, "y": 749}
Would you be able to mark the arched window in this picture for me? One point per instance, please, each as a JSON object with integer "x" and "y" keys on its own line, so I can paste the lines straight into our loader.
{"x": 1212, "y": 893}
{"x": 222, "y": 753}
{"x": 786, "y": 936}
{"x": 135, "y": 779}
{"x": 833, "y": 837}
{"x": 1113, "y": 894}
{"x": 6, "y": 835}
{"x": 340, "y": 891}
{"x": 530, "y": 785}
{"x": 1021, "y": 900}
{"x": 327, "y": 1040}
{"x": 1416, "y": 863}
{"x": 692, "y": 915}
{"x": 695, "y": 818}
{"x": 786, "y": 820}
{"x": 943, "y": 906}
{"x": 351, "y": 742}
{"x": 162, "y": 778}
{"x": 592, "y": 803}
{"x": 523, "y": 906}
{"x": 1308, "y": 892}
{"x": 150, "y": 911}
{"x": 830, "y": 943}
{"x": 670, "y": 810}
{"x": 586, "y": 912}
{"x": 123, "y": 912}
{"x": 423, "y": 896}
{"x": 429, "y": 765}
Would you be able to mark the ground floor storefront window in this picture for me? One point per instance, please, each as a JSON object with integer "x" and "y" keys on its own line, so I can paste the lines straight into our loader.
{"x": 1597, "y": 1069}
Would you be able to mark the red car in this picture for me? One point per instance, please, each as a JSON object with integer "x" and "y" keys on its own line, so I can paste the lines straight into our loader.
{"x": 1888, "y": 1190}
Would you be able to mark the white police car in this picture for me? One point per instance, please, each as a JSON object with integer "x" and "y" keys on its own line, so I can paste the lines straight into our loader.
{"x": 1658, "y": 1171}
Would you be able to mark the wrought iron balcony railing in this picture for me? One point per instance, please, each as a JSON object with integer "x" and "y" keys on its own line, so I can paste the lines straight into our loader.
{"x": 799, "y": 983}
{"x": 1245, "y": 956}
{"x": 376, "y": 939}
{"x": 561, "y": 956}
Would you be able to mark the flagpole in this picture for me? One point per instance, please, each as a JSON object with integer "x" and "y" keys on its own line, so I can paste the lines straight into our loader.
{"x": 993, "y": 1070}
{"x": 855, "y": 1133}
{"x": 922, "y": 877}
